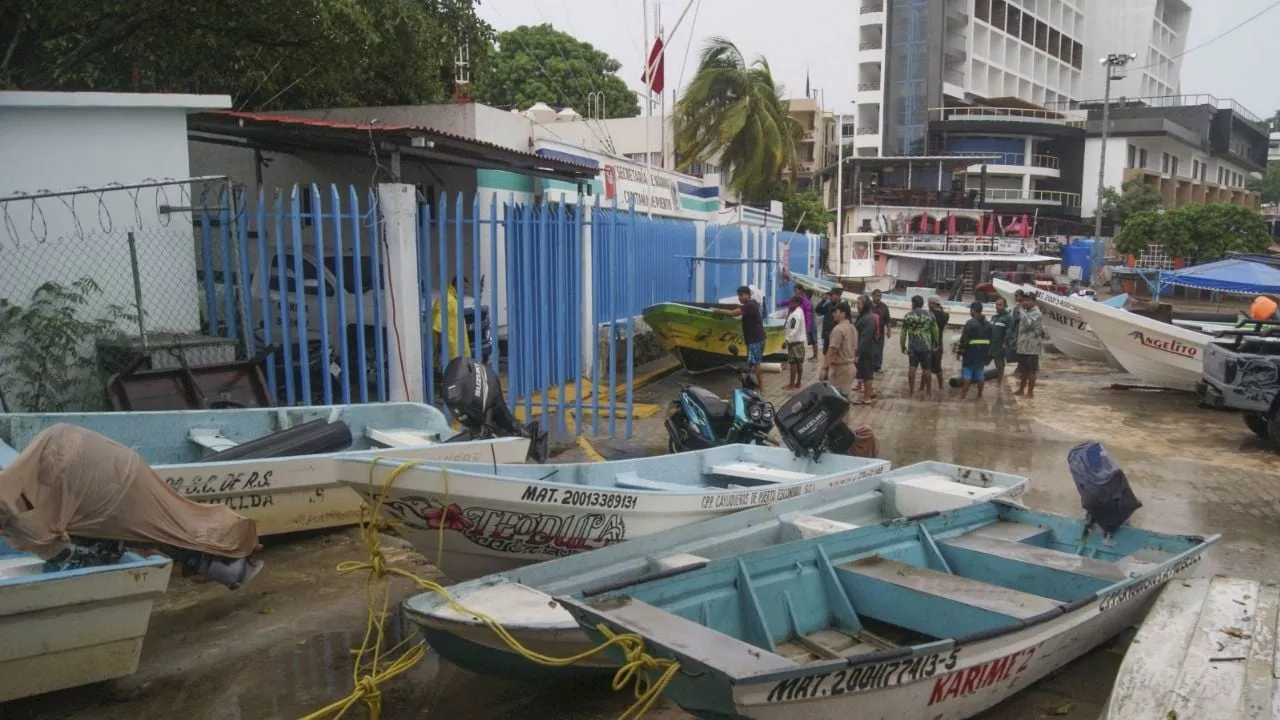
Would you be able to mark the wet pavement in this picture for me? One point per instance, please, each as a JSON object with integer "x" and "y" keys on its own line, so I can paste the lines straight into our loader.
{"x": 280, "y": 648}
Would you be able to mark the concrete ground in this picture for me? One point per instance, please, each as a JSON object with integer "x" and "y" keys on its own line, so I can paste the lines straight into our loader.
{"x": 279, "y": 648}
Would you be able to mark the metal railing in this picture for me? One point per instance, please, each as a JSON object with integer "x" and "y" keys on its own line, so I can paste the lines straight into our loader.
{"x": 905, "y": 197}
{"x": 872, "y": 8}
{"x": 871, "y": 45}
{"x": 868, "y": 131}
{"x": 1011, "y": 159}
{"x": 956, "y": 244}
{"x": 1018, "y": 195}
{"x": 865, "y": 87}
{"x": 1070, "y": 118}
{"x": 1166, "y": 101}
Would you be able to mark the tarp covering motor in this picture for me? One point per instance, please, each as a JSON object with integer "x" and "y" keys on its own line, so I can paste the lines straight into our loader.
{"x": 70, "y": 481}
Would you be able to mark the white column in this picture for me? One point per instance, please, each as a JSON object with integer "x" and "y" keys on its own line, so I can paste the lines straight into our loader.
{"x": 744, "y": 253}
{"x": 1028, "y": 148}
{"x": 700, "y": 267}
{"x": 398, "y": 204}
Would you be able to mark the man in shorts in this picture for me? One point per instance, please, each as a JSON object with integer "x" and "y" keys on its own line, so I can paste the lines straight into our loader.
{"x": 941, "y": 318}
{"x": 1029, "y": 343}
{"x": 752, "y": 331}
{"x": 917, "y": 339}
{"x": 796, "y": 333}
{"x": 974, "y": 345}
{"x": 882, "y": 311}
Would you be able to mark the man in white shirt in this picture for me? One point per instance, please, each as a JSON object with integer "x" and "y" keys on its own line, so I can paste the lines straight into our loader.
{"x": 797, "y": 335}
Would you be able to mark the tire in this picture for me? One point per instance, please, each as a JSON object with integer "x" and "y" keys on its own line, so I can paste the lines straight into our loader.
{"x": 1273, "y": 427}
{"x": 1259, "y": 424}
{"x": 671, "y": 447}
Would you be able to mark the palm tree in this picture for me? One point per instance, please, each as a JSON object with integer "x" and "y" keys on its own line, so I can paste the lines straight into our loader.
{"x": 735, "y": 111}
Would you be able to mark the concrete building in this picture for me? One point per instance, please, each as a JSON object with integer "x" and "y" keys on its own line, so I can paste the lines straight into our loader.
{"x": 817, "y": 149}
{"x": 1273, "y": 147}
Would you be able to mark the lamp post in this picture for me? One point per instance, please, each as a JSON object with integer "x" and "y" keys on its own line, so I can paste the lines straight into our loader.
{"x": 1113, "y": 65}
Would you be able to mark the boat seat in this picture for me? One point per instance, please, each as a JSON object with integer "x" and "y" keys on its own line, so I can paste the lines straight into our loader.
{"x": 7, "y": 454}
{"x": 632, "y": 481}
{"x": 756, "y": 471}
{"x": 1012, "y": 531}
{"x": 210, "y": 439}
{"x": 809, "y": 526}
{"x": 402, "y": 437}
{"x": 678, "y": 561}
{"x": 1039, "y": 556}
{"x": 953, "y": 589}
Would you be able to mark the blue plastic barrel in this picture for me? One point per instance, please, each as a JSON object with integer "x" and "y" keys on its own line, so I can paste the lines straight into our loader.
{"x": 1080, "y": 254}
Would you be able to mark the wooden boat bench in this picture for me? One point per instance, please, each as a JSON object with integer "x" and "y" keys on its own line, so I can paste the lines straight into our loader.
{"x": 402, "y": 437}
{"x": 810, "y": 526}
{"x": 632, "y": 481}
{"x": 210, "y": 439}
{"x": 759, "y": 473}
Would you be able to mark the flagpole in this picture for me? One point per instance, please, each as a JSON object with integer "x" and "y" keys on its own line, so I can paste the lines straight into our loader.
{"x": 648, "y": 117}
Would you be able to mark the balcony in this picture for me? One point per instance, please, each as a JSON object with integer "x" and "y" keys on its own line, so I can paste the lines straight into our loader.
{"x": 1032, "y": 197}
{"x": 960, "y": 244}
{"x": 868, "y": 131}
{"x": 869, "y": 86}
{"x": 872, "y": 8}
{"x": 871, "y": 45}
{"x": 904, "y": 197}
{"x": 1039, "y": 165}
{"x": 1069, "y": 118}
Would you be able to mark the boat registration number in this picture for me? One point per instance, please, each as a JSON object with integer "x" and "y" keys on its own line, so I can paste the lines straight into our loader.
{"x": 863, "y": 677}
{"x": 578, "y": 498}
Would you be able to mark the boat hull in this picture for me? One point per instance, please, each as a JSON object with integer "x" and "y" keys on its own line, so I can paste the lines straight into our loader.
{"x": 1156, "y": 353}
{"x": 701, "y": 340}
{"x": 76, "y": 627}
{"x": 1068, "y": 332}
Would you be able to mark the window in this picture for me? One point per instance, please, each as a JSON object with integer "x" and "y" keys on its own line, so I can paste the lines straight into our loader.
{"x": 1195, "y": 168}
{"x": 982, "y": 10}
{"x": 1219, "y": 174}
{"x": 1164, "y": 164}
{"x": 1133, "y": 156}
{"x": 1173, "y": 166}
{"x": 1142, "y": 158}
{"x": 1204, "y": 170}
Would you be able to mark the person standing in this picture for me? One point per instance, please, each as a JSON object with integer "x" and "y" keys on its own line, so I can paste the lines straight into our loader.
{"x": 752, "y": 330}
{"x": 1000, "y": 335}
{"x": 827, "y": 309}
{"x": 917, "y": 340}
{"x": 941, "y": 317}
{"x": 1029, "y": 343}
{"x": 1011, "y": 344}
{"x": 868, "y": 327}
{"x": 797, "y": 331}
{"x": 975, "y": 345}
{"x": 882, "y": 311}
{"x": 437, "y": 326}
{"x": 842, "y": 350}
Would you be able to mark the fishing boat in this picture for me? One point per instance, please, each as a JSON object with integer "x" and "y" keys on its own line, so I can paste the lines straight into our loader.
{"x": 270, "y": 464}
{"x": 1158, "y": 353}
{"x": 941, "y": 616}
{"x": 899, "y": 305}
{"x": 1068, "y": 332}
{"x": 1207, "y": 649}
{"x": 67, "y": 628}
{"x": 702, "y": 340}
{"x": 498, "y": 517}
{"x": 521, "y": 600}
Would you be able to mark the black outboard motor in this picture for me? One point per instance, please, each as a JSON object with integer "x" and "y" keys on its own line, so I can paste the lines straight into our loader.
{"x": 812, "y": 421}
{"x": 473, "y": 394}
{"x": 1105, "y": 494}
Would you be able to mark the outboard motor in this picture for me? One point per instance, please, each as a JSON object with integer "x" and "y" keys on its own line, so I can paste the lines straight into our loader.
{"x": 812, "y": 421}
{"x": 473, "y": 394}
{"x": 1105, "y": 494}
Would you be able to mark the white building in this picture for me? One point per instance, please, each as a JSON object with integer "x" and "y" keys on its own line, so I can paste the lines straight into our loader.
{"x": 1273, "y": 147}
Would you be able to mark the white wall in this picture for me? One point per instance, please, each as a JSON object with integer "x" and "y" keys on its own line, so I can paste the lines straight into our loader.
{"x": 1117, "y": 148}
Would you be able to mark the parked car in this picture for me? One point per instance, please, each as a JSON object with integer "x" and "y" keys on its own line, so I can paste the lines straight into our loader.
{"x": 1242, "y": 372}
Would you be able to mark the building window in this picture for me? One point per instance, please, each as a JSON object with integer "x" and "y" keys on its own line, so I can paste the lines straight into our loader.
{"x": 1219, "y": 175}
{"x": 1133, "y": 156}
{"x": 1164, "y": 164}
{"x": 982, "y": 10}
{"x": 1195, "y": 168}
{"x": 1142, "y": 158}
{"x": 1173, "y": 166}
{"x": 1204, "y": 170}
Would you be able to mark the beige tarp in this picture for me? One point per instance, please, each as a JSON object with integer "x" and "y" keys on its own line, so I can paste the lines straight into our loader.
{"x": 72, "y": 481}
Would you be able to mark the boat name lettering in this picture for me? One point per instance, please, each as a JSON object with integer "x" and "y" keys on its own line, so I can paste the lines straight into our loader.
{"x": 1125, "y": 594}
{"x": 241, "y": 502}
{"x": 508, "y": 531}
{"x": 1169, "y": 345}
{"x": 863, "y": 677}
{"x": 215, "y": 483}
{"x": 1064, "y": 319}
{"x": 968, "y": 681}
{"x": 731, "y": 337}
{"x": 578, "y": 498}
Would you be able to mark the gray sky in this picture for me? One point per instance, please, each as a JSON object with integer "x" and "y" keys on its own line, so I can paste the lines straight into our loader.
{"x": 818, "y": 35}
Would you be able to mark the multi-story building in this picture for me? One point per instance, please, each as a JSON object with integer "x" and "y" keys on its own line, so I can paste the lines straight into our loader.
{"x": 1273, "y": 148}
{"x": 817, "y": 148}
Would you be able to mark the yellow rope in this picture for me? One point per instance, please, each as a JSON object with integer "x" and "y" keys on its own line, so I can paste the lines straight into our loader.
{"x": 369, "y": 672}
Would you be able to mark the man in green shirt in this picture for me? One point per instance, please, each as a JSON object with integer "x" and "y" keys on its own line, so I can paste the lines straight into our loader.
{"x": 918, "y": 340}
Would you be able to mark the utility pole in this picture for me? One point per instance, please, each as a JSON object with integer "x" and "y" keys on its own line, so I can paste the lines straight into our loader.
{"x": 1113, "y": 65}
{"x": 839, "y": 194}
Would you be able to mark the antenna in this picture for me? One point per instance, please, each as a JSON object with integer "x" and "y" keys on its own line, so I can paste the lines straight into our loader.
{"x": 462, "y": 74}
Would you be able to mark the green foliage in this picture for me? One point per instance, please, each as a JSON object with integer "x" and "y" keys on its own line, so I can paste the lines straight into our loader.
{"x": 806, "y": 212}
{"x": 1135, "y": 197}
{"x": 541, "y": 64}
{"x": 1202, "y": 232}
{"x": 278, "y": 54}
{"x": 45, "y": 347}
{"x": 735, "y": 111}
{"x": 1269, "y": 186}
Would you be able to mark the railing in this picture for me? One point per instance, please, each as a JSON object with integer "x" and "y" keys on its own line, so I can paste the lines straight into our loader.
{"x": 872, "y": 8}
{"x": 865, "y": 87}
{"x": 903, "y": 197}
{"x": 1018, "y": 159}
{"x": 1070, "y": 118}
{"x": 1018, "y": 195}
{"x": 1166, "y": 101}
{"x": 956, "y": 244}
{"x": 868, "y": 131}
{"x": 872, "y": 45}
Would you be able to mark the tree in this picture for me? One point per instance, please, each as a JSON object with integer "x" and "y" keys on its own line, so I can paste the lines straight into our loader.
{"x": 735, "y": 111}
{"x": 1202, "y": 232}
{"x": 1135, "y": 197}
{"x": 275, "y": 54}
{"x": 541, "y": 64}
{"x": 806, "y": 212}
{"x": 1269, "y": 186}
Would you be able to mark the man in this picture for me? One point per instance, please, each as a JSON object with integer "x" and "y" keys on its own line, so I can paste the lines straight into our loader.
{"x": 1011, "y": 344}
{"x": 882, "y": 311}
{"x": 796, "y": 333}
{"x": 437, "y": 325}
{"x": 941, "y": 317}
{"x": 827, "y": 309}
{"x": 842, "y": 350}
{"x": 868, "y": 327}
{"x": 975, "y": 344}
{"x": 752, "y": 330}
{"x": 1029, "y": 343}
{"x": 918, "y": 339}
{"x": 1000, "y": 335}
{"x": 811, "y": 329}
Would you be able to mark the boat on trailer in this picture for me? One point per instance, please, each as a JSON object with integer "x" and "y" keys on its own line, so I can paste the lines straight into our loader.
{"x": 1207, "y": 649}
{"x": 522, "y": 600}
{"x": 271, "y": 464}
{"x": 941, "y": 616}
{"x": 702, "y": 340}
{"x": 501, "y": 517}
{"x": 1068, "y": 332}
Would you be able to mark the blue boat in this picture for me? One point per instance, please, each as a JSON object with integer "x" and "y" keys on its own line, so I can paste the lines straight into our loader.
{"x": 521, "y": 600}
{"x": 937, "y": 617}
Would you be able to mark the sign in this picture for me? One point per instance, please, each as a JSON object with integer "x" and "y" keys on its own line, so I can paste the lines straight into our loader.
{"x": 1169, "y": 345}
{"x": 659, "y": 191}
{"x": 861, "y": 678}
{"x": 968, "y": 681}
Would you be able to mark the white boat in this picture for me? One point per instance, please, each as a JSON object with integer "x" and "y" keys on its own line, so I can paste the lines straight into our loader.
{"x": 282, "y": 494}
{"x": 521, "y": 600}
{"x": 899, "y": 305}
{"x": 73, "y": 627}
{"x": 1207, "y": 649}
{"x": 1068, "y": 332}
{"x": 498, "y": 517}
{"x": 1157, "y": 353}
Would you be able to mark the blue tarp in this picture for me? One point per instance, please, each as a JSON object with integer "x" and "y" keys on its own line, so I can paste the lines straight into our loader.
{"x": 1233, "y": 275}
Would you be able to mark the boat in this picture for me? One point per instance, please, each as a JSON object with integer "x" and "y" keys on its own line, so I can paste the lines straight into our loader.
{"x": 941, "y": 616}
{"x": 1158, "y": 353}
{"x": 521, "y": 600}
{"x": 250, "y": 459}
{"x": 702, "y": 340}
{"x": 899, "y": 305}
{"x": 1068, "y": 332}
{"x": 1207, "y": 649}
{"x": 500, "y": 517}
{"x": 67, "y": 628}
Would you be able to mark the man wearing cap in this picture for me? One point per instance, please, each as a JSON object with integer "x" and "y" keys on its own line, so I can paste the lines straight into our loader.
{"x": 827, "y": 309}
{"x": 842, "y": 350}
{"x": 941, "y": 317}
{"x": 1029, "y": 343}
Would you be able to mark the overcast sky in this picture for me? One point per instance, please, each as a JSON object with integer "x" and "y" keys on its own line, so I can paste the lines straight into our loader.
{"x": 818, "y": 36}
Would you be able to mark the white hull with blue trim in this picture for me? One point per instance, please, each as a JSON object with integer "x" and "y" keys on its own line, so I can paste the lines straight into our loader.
{"x": 521, "y": 600}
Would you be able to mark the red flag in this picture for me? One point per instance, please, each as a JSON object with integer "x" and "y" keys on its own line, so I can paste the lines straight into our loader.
{"x": 1026, "y": 226}
{"x": 656, "y": 61}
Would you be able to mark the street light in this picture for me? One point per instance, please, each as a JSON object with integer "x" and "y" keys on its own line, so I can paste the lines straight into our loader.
{"x": 840, "y": 190}
{"x": 1113, "y": 65}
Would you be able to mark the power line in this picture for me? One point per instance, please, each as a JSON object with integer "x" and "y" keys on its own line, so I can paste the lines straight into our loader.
{"x": 1217, "y": 37}
{"x": 688, "y": 47}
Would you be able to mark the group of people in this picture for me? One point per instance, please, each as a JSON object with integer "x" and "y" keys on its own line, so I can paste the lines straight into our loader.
{"x": 853, "y": 337}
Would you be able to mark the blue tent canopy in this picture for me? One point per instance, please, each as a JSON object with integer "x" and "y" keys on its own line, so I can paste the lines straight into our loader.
{"x": 1233, "y": 275}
